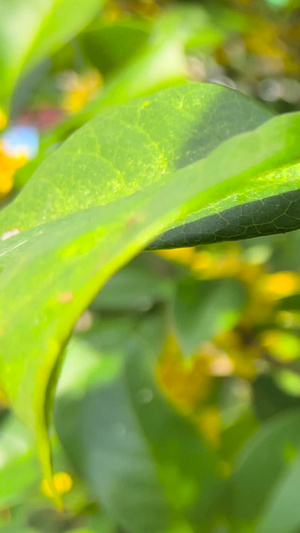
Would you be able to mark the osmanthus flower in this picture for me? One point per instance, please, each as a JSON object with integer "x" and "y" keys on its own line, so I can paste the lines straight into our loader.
{"x": 79, "y": 90}
{"x": 8, "y": 166}
{"x": 280, "y": 284}
{"x": 62, "y": 482}
{"x": 204, "y": 263}
{"x": 116, "y": 9}
{"x": 186, "y": 382}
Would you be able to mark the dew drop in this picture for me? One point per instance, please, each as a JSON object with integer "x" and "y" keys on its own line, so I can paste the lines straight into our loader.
{"x": 145, "y": 396}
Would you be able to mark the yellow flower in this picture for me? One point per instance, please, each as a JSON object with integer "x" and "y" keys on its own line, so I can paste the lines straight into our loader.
{"x": 209, "y": 422}
{"x": 185, "y": 382}
{"x": 3, "y": 119}
{"x": 80, "y": 89}
{"x": 243, "y": 356}
{"x": 8, "y": 166}
{"x": 280, "y": 284}
{"x": 62, "y": 482}
{"x": 183, "y": 256}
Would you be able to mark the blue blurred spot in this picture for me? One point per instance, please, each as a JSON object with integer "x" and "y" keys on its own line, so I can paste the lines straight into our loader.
{"x": 21, "y": 140}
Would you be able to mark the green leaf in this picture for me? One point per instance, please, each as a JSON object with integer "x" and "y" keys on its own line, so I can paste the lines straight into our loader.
{"x": 51, "y": 272}
{"x": 137, "y": 287}
{"x": 261, "y": 465}
{"x": 160, "y": 63}
{"x": 31, "y": 30}
{"x": 203, "y": 309}
{"x": 111, "y": 44}
{"x": 263, "y": 200}
{"x": 290, "y": 303}
{"x": 146, "y": 464}
{"x": 18, "y": 461}
{"x": 154, "y": 135}
{"x": 269, "y": 399}
{"x": 282, "y": 514}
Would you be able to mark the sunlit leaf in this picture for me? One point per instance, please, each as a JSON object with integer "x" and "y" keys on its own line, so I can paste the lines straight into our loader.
{"x": 73, "y": 242}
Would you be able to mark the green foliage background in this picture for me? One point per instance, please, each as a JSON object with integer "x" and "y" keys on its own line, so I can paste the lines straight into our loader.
{"x": 173, "y": 404}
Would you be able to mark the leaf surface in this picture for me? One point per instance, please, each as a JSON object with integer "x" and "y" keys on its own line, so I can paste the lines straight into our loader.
{"x": 128, "y": 147}
{"x": 270, "y": 451}
{"x": 70, "y": 243}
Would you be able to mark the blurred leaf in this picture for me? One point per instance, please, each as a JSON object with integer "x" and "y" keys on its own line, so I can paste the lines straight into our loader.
{"x": 282, "y": 513}
{"x": 290, "y": 303}
{"x": 18, "y": 462}
{"x": 119, "y": 465}
{"x": 261, "y": 465}
{"x": 137, "y": 287}
{"x": 203, "y": 309}
{"x": 236, "y": 434}
{"x": 289, "y": 380}
{"x": 159, "y": 64}
{"x": 286, "y": 252}
{"x": 145, "y": 463}
{"x": 83, "y": 363}
{"x": 110, "y": 45}
{"x": 269, "y": 399}
{"x": 14, "y": 527}
{"x": 30, "y": 30}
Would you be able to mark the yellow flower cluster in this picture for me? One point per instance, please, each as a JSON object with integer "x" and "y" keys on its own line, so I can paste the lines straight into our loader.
{"x": 188, "y": 383}
{"x": 240, "y": 352}
{"x": 8, "y": 167}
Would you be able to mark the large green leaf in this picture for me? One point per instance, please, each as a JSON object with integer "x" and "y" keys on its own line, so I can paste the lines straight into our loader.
{"x": 31, "y": 29}
{"x": 129, "y": 147}
{"x": 144, "y": 462}
{"x": 52, "y": 270}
